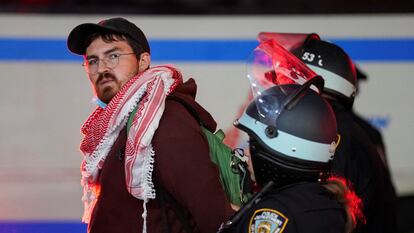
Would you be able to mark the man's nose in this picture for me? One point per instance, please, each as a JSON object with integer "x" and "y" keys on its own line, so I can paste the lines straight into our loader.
{"x": 102, "y": 67}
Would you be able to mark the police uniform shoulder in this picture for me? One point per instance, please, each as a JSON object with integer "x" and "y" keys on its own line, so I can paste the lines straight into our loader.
{"x": 305, "y": 196}
{"x": 269, "y": 215}
{"x": 268, "y": 220}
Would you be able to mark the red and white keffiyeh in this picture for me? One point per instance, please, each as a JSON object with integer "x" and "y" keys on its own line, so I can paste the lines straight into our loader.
{"x": 146, "y": 91}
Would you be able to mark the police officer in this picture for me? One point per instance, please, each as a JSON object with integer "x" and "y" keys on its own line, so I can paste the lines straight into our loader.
{"x": 292, "y": 138}
{"x": 292, "y": 151}
{"x": 356, "y": 157}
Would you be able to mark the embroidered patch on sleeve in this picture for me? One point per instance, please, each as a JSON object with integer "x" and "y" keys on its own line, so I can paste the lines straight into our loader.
{"x": 267, "y": 221}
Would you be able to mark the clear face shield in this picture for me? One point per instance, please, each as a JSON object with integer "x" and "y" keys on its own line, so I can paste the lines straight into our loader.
{"x": 272, "y": 65}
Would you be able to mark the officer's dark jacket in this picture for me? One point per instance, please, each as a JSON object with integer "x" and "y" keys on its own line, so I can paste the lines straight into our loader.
{"x": 298, "y": 208}
{"x": 357, "y": 160}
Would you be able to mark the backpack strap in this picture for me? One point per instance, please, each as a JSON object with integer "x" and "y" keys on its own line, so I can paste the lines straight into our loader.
{"x": 189, "y": 108}
{"x": 131, "y": 118}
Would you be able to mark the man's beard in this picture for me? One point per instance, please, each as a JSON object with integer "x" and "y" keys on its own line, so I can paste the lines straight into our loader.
{"x": 106, "y": 93}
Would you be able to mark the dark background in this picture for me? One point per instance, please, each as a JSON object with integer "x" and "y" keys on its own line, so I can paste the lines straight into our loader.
{"x": 208, "y": 7}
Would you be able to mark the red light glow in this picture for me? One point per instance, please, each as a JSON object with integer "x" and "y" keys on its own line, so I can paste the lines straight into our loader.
{"x": 352, "y": 202}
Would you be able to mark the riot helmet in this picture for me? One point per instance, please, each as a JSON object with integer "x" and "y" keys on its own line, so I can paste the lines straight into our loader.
{"x": 292, "y": 129}
{"x": 334, "y": 65}
{"x": 325, "y": 58}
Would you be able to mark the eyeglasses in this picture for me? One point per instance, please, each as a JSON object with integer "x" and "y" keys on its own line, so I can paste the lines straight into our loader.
{"x": 110, "y": 61}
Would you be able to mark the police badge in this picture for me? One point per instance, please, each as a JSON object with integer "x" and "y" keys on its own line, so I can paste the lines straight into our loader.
{"x": 267, "y": 221}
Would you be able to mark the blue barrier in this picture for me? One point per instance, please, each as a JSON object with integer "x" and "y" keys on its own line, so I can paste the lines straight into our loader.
{"x": 43, "y": 50}
{"x": 42, "y": 227}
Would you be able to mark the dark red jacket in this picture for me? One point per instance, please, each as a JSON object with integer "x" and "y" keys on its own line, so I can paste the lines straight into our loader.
{"x": 182, "y": 166}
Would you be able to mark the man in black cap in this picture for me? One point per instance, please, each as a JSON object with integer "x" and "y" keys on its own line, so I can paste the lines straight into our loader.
{"x": 146, "y": 165}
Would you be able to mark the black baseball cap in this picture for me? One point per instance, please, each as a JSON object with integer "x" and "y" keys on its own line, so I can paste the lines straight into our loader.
{"x": 78, "y": 36}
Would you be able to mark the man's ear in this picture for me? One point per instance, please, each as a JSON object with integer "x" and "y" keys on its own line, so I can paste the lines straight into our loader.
{"x": 144, "y": 61}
